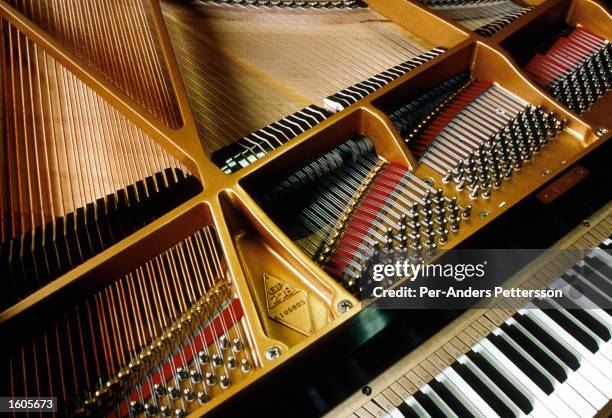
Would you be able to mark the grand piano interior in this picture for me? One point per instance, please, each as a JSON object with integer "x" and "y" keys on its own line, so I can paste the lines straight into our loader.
{"x": 193, "y": 192}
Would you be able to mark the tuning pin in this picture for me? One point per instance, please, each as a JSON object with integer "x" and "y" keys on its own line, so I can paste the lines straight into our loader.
{"x": 237, "y": 345}
{"x": 195, "y": 376}
{"x": 443, "y": 236}
{"x": 180, "y": 413}
{"x": 225, "y": 382}
{"x": 211, "y": 379}
{"x": 217, "y": 360}
{"x": 448, "y": 177}
{"x": 245, "y": 366}
{"x": 136, "y": 407}
{"x": 461, "y": 185}
{"x": 224, "y": 342}
{"x": 160, "y": 390}
{"x": 417, "y": 252}
{"x": 165, "y": 411}
{"x": 431, "y": 250}
{"x": 203, "y": 358}
{"x": 182, "y": 374}
{"x": 151, "y": 410}
{"x": 413, "y": 213}
{"x": 474, "y": 192}
{"x": 174, "y": 393}
{"x": 389, "y": 240}
{"x": 189, "y": 395}
{"x": 203, "y": 398}
{"x": 467, "y": 212}
{"x": 454, "y": 226}
{"x": 439, "y": 196}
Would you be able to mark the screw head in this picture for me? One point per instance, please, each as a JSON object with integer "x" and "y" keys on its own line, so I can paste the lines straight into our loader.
{"x": 274, "y": 352}
{"x": 483, "y": 214}
{"x": 601, "y": 132}
{"x": 366, "y": 390}
{"x": 429, "y": 181}
{"x": 586, "y": 223}
{"x": 545, "y": 172}
{"x": 344, "y": 306}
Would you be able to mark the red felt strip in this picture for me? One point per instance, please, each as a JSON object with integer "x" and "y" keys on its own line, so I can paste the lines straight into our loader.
{"x": 223, "y": 321}
{"x": 362, "y": 218}
{"x": 436, "y": 126}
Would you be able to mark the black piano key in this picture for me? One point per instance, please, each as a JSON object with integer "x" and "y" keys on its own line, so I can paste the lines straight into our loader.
{"x": 598, "y": 299}
{"x": 586, "y": 318}
{"x": 504, "y": 384}
{"x": 568, "y": 358}
{"x": 483, "y": 390}
{"x": 522, "y": 363}
{"x": 407, "y": 411}
{"x": 536, "y": 352}
{"x": 454, "y": 404}
{"x": 598, "y": 265}
{"x": 593, "y": 275}
{"x": 429, "y": 406}
{"x": 564, "y": 322}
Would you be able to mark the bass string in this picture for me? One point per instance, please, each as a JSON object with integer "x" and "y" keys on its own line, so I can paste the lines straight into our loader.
{"x": 120, "y": 319}
{"x": 55, "y": 168}
{"x": 114, "y": 38}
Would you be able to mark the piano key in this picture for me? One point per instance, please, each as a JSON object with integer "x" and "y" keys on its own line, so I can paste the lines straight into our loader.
{"x": 522, "y": 362}
{"x": 556, "y": 315}
{"x": 542, "y": 335}
{"x": 465, "y": 389}
{"x": 501, "y": 382}
{"x": 543, "y": 404}
{"x": 417, "y": 407}
{"x": 565, "y": 392}
{"x": 505, "y": 406}
{"x": 577, "y": 328}
{"x": 585, "y": 317}
{"x": 552, "y": 366}
{"x": 451, "y": 400}
{"x": 374, "y": 409}
{"x": 442, "y": 406}
{"x": 464, "y": 401}
{"x": 590, "y": 371}
{"x": 584, "y": 302}
{"x": 428, "y": 404}
{"x": 596, "y": 275}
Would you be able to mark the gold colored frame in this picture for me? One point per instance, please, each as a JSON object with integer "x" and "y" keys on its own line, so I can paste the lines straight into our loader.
{"x": 245, "y": 231}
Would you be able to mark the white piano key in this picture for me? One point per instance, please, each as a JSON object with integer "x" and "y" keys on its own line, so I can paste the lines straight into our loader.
{"x": 464, "y": 388}
{"x": 428, "y": 391}
{"x": 574, "y": 401}
{"x": 590, "y": 371}
{"x": 584, "y": 302}
{"x": 416, "y": 406}
{"x": 575, "y": 378}
{"x": 543, "y": 404}
{"x": 460, "y": 396}
{"x": 476, "y": 370}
